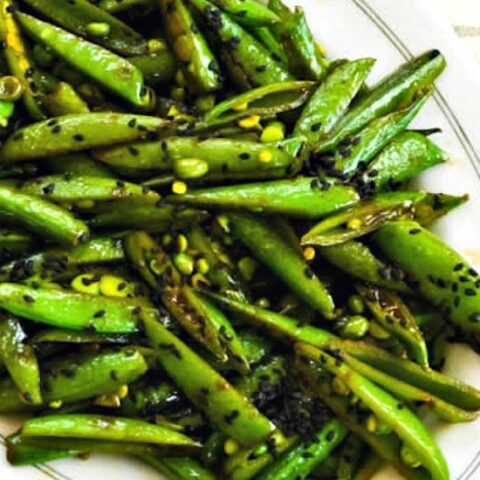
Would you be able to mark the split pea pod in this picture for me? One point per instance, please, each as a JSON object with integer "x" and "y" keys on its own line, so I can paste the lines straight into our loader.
{"x": 41, "y": 217}
{"x": 301, "y": 197}
{"x": 332, "y": 98}
{"x": 199, "y": 65}
{"x": 394, "y": 92}
{"x": 259, "y": 236}
{"x": 439, "y": 273}
{"x": 19, "y": 62}
{"x": 248, "y": 61}
{"x": 226, "y": 408}
{"x": 81, "y": 17}
{"x": 108, "y": 69}
{"x": 73, "y": 133}
{"x": 20, "y": 360}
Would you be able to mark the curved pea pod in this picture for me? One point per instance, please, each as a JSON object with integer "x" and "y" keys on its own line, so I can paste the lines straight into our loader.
{"x": 59, "y": 260}
{"x": 301, "y": 459}
{"x": 61, "y": 188}
{"x": 41, "y": 217}
{"x": 19, "y": 62}
{"x": 228, "y": 410}
{"x": 439, "y": 273}
{"x": 20, "y": 360}
{"x": 180, "y": 468}
{"x": 79, "y": 378}
{"x": 64, "y": 100}
{"x": 394, "y": 92}
{"x": 78, "y": 17}
{"x": 395, "y": 317}
{"x": 374, "y": 137}
{"x": 357, "y": 260}
{"x": 198, "y": 63}
{"x": 157, "y": 68}
{"x": 406, "y": 156}
{"x": 66, "y": 309}
{"x": 270, "y": 248}
{"x": 108, "y": 69}
{"x": 14, "y": 242}
{"x": 103, "y": 427}
{"x": 332, "y": 98}
{"x": 126, "y": 214}
{"x": 302, "y": 197}
{"x": 73, "y": 133}
{"x": 248, "y": 61}
{"x": 363, "y": 218}
{"x": 265, "y": 101}
{"x": 77, "y": 164}
{"x": 395, "y": 415}
{"x": 114, "y": 6}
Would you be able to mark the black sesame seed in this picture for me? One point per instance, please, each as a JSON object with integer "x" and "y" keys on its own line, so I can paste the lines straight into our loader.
{"x": 56, "y": 129}
{"x": 470, "y": 292}
{"x": 132, "y": 123}
{"x": 454, "y": 287}
{"x": 261, "y": 68}
{"x": 134, "y": 151}
{"x": 473, "y": 272}
{"x": 231, "y": 416}
{"x": 78, "y": 137}
{"x": 458, "y": 267}
{"x": 48, "y": 188}
{"x": 315, "y": 127}
{"x": 99, "y": 314}
{"x": 462, "y": 278}
{"x": 28, "y": 298}
{"x": 330, "y": 436}
{"x": 414, "y": 231}
{"x": 114, "y": 375}
{"x": 475, "y": 317}
{"x": 120, "y": 184}
{"x": 244, "y": 156}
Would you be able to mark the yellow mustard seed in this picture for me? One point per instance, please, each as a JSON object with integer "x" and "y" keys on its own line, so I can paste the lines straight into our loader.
{"x": 230, "y": 446}
{"x": 240, "y": 107}
{"x": 252, "y": 121}
{"x": 55, "y": 404}
{"x": 265, "y": 156}
{"x": 309, "y": 253}
{"x": 179, "y": 187}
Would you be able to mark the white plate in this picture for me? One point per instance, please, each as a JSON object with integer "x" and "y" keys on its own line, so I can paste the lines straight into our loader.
{"x": 391, "y": 31}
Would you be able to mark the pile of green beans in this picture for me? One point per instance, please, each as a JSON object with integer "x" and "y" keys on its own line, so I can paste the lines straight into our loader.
{"x": 210, "y": 258}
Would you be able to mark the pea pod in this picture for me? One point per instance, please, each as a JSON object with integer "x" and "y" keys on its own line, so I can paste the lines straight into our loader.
{"x": 41, "y": 217}
{"x": 70, "y": 310}
{"x": 77, "y": 17}
{"x": 395, "y": 317}
{"x": 114, "y": 6}
{"x": 64, "y": 100}
{"x": 249, "y": 63}
{"x": 302, "y": 197}
{"x": 227, "y": 409}
{"x": 200, "y": 67}
{"x": 357, "y": 260}
{"x": 331, "y": 99}
{"x": 157, "y": 68}
{"x": 73, "y": 133}
{"x": 179, "y": 468}
{"x": 394, "y": 92}
{"x": 77, "y": 164}
{"x": 19, "y": 358}
{"x": 19, "y": 62}
{"x": 108, "y": 69}
{"x": 269, "y": 247}
{"x": 301, "y": 459}
{"x": 436, "y": 205}
{"x": 79, "y": 378}
{"x": 270, "y": 41}
{"x": 409, "y": 429}
{"x": 248, "y": 13}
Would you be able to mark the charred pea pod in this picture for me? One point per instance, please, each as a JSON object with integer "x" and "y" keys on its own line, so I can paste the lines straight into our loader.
{"x": 394, "y": 316}
{"x": 248, "y": 61}
{"x": 270, "y": 41}
{"x": 19, "y": 62}
{"x": 406, "y": 156}
{"x": 73, "y": 133}
{"x": 14, "y": 242}
{"x": 42, "y": 217}
{"x": 64, "y": 100}
{"x": 302, "y": 197}
{"x": 228, "y": 410}
{"x": 79, "y": 378}
{"x": 357, "y": 260}
{"x": 290, "y": 330}
{"x": 108, "y": 69}
{"x": 115, "y": 6}
{"x": 406, "y": 428}
{"x": 200, "y": 67}
{"x": 157, "y": 68}
{"x": 374, "y": 137}
{"x": 179, "y": 468}
{"x": 394, "y": 92}
{"x": 212, "y": 159}
{"x": 439, "y": 273}
{"x": 301, "y": 459}
{"x": 80, "y": 18}
{"x": 332, "y": 98}
{"x": 20, "y": 360}
{"x": 65, "y": 189}
{"x": 66, "y": 309}
{"x": 363, "y": 218}
{"x": 269, "y": 247}
{"x": 76, "y": 164}
{"x": 103, "y": 427}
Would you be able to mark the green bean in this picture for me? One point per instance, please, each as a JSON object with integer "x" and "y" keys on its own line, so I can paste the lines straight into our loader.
{"x": 180, "y": 468}
{"x": 227, "y": 409}
{"x": 76, "y": 17}
{"x": 42, "y": 217}
{"x": 332, "y": 98}
{"x": 19, "y": 358}
{"x": 111, "y": 71}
